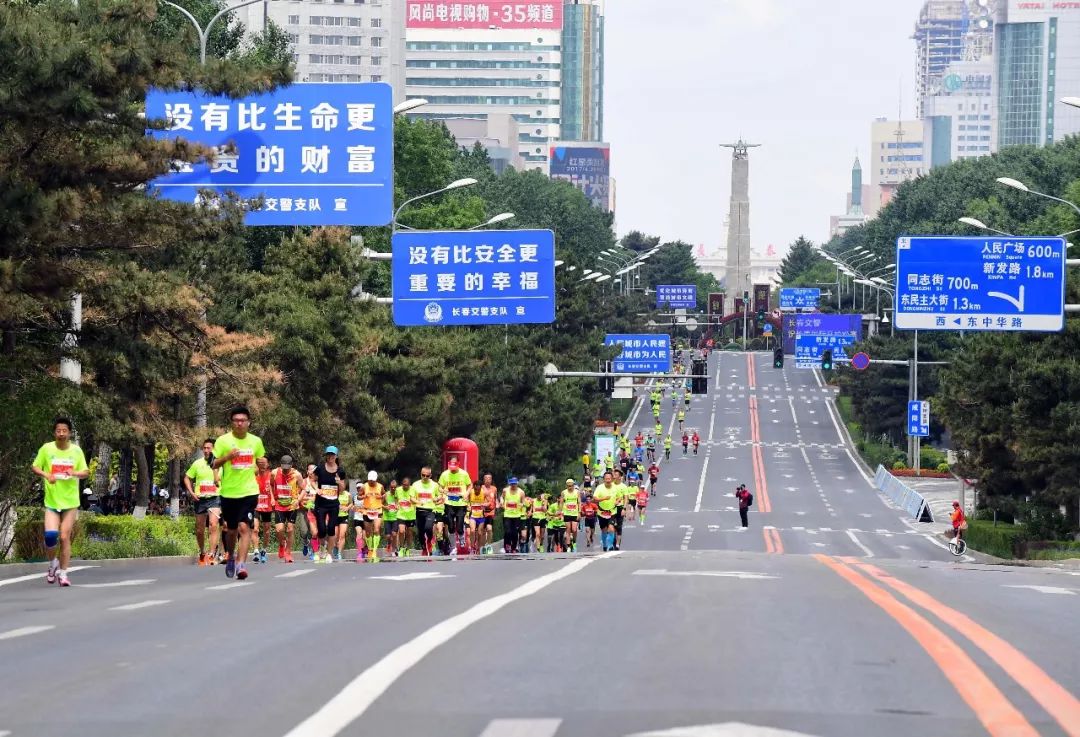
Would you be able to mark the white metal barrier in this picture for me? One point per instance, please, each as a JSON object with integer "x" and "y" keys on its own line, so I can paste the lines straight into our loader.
{"x": 902, "y": 495}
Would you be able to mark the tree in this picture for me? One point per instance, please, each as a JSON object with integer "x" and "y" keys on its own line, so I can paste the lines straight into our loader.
{"x": 800, "y": 258}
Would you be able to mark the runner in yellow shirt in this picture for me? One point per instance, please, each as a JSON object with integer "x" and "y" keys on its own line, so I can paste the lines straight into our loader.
{"x": 201, "y": 482}
{"x": 455, "y": 483}
{"x": 60, "y": 464}
{"x": 236, "y": 453}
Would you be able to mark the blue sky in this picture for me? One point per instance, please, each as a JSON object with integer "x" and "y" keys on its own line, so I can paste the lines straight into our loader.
{"x": 802, "y": 77}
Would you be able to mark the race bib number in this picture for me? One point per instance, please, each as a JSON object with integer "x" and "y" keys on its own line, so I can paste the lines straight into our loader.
{"x": 244, "y": 458}
{"x": 62, "y": 468}
{"x": 328, "y": 492}
{"x": 206, "y": 489}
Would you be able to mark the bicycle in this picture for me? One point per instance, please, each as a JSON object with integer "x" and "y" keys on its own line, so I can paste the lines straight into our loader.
{"x": 957, "y": 545}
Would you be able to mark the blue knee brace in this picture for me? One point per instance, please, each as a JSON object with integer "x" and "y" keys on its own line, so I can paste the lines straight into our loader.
{"x": 52, "y": 537}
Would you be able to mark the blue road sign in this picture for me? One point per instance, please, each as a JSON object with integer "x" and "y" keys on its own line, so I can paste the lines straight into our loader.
{"x": 918, "y": 419}
{"x": 796, "y": 298}
{"x": 320, "y": 154}
{"x": 473, "y": 277}
{"x": 676, "y": 296}
{"x": 860, "y": 361}
{"x": 641, "y": 354}
{"x": 981, "y": 283}
{"x": 767, "y": 328}
{"x": 814, "y": 334}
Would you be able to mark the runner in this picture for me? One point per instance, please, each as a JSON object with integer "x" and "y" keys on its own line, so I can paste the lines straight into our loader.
{"x": 555, "y": 526}
{"x": 631, "y": 485}
{"x": 658, "y": 429}
{"x": 571, "y": 506}
{"x": 697, "y": 440}
{"x": 201, "y": 482}
{"x": 60, "y": 464}
{"x": 686, "y": 395}
{"x": 621, "y": 492}
{"x": 442, "y": 539}
{"x": 477, "y": 517}
{"x": 286, "y": 489}
{"x": 681, "y": 416}
{"x": 236, "y": 453}
{"x": 309, "y": 491}
{"x": 685, "y": 443}
{"x": 642, "y": 502}
{"x": 406, "y": 518}
{"x": 539, "y": 521}
{"x": 527, "y": 506}
{"x": 455, "y": 483}
{"x": 513, "y": 507}
{"x": 604, "y": 497}
{"x": 667, "y": 447}
{"x": 584, "y": 462}
{"x": 426, "y": 493}
{"x": 588, "y": 510}
{"x": 650, "y": 448}
{"x": 370, "y": 505}
{"x": 264, "y": 510}
{"x": 341, "y": 532}
{"x": 390, "y": 509}
{"x": 491, "y": 503}
{"x": 330, "y": 482}
{"x": 656, "y": 413}
{"x": 654, "y": 474}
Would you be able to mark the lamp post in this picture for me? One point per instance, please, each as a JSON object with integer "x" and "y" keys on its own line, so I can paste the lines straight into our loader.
{"x": 976, "y": 223}
{"x": 408, "y": 105}
{"x": 204, "y": 33}
{"x": 456, "y": 184}
{"x": 1016, "y": 184}
{"x": 500, "y": 218}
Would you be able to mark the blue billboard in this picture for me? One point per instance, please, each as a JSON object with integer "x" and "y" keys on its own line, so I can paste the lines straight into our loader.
{"x": 918, "y": 419}
{"x": 319, "y": 154}
{"x": 798, "y": 298}
{"x": 641, "y": 354}
{"x": 816, "y": 333}
{"x": 981, "y": 283}
{"x": 676, "y": 296}
{"x": 473, "y": 277}
{"x": 586, "y": 167}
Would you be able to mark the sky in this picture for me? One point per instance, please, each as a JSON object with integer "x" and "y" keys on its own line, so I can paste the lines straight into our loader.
{"x": 803, "y": 78}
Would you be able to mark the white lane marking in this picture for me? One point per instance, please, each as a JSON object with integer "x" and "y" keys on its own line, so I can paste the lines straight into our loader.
{"x": 862, "y": 473}
{"x": 294, "y": 574}
{"x": 743, "y": 575}
{"x": 835, "y": 422}
{"x": 522, "y": 728}
{"x": 701, "y": 484}
{"x": 712, "y": 419}
{"x": 139, "y": 605}
{"x": 4, "y": 732}
{"x": 40, "y": 576}
{"x": 23, "y": 631}
{"x": 866, "y": 551}
{"x": 418, "y": 576}
{"x": 686, "y": 539}
{"x": 1043, "y": 589}
{"x": 352, "y": 701}
{"x": 231, "y": 585}
{"x": 132, "y": 582}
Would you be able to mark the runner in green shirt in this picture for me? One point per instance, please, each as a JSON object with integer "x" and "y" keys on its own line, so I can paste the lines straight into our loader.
{"x": 60, "y": 464}
{"x": 201, "y": 482}
{"x": 455, "y": 483}
{"x": 406, "y": 518}
{"x": 236, "y": 453}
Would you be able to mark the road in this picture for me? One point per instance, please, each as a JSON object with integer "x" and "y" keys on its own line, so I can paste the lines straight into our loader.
{"x": 829, "y": 616}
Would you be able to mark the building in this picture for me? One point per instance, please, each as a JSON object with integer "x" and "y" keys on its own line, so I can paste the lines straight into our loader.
{"x": 896, "y": 155}
{"x": 497, "y": 132}
{"x": 583, "y": 71}
{"x": 353, "y": 41}
{"x": 472, "y": 59}
{"x": 960, "y": 120}
{"x": 853, "y": 215}
{"x": 587, "y": 166}
{"x": 1038, "y": 62}
{"x": 939, "y": 41}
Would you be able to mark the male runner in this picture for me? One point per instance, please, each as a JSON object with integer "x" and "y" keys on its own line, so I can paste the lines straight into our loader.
{"x": 555, "y": 526}
{"x": 455, "y": 483}
{"x": 236, "y": 453}
{"x": 605, "y": 496}
{"x": 201, "y": 482}
{"x": 491, "y": 503}
{"x": 681, "y": 416}
{"x": 330, "y": 483}
{"x": 286, "y": 482}
{"x": 667, "y": 447}
{"x": 539, "y": 521}
{"x": 571, "y": 505}
{"x": 643, "y": 502}
{"x": 390, "y": 509}
{"x": 654, "y": 474}
{"x": 427, "y": 491}
{"x": 370, "y": 498}
{"x": 406, "y": 518}
{"x": 513, "y": 502}
{"x": 588, "y": 511}
{"x": 477, "y": 515}
{"x": 60, "y": 464}
{"x": 264, "y": 510}
{"x": 309, "y": 491}
{"x": 650, "y": 448}
{"x": 341, "y": 532}
{"x": 621, "y": 491}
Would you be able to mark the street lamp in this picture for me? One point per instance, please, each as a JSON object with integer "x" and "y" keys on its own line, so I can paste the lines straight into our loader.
{"x": 408, "y": 105}
{"x": 456, "y": 184}
{"x": 500, "y": 218}
{"x": 976, "y": 223}
{"x": 1073, "y": 101}
{"x": 204, "y": 33}
{"x": 1016, "y": 184}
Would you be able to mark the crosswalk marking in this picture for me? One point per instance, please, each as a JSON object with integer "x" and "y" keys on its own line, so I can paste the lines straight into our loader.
{"x": 139, "y": 605}
{"x": 23, "y": 631}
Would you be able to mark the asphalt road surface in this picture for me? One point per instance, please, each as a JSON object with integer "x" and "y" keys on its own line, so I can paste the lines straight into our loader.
{"x": 830, "y": 615}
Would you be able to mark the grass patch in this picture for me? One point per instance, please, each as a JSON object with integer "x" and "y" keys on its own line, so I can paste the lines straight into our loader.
{"x": 873, "y": 451}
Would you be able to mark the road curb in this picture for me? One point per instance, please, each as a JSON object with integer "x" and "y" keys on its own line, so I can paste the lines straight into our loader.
{"x": 22, "y": 569}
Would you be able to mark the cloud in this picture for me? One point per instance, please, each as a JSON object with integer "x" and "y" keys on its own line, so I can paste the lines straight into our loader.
{"x": 756, "y": 12}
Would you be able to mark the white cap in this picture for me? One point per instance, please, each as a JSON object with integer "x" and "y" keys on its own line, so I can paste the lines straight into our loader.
{"x": 372, "y": 476}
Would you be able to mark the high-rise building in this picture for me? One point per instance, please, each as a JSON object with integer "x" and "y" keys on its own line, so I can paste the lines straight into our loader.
{"x": 354, "y": 41}
{"x": 896, "y": 155}
{"x": 1038, "y": 62}
{"x": 583, "y": 70}
{"x": 470, "y": 59}
{"x": 939, "y": 41}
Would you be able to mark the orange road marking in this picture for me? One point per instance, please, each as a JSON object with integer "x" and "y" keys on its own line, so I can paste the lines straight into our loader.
{"x": 761, "y": 486}
{"x": 991, "y": 707}
{"x": 1052, "y": 696}
{"x": 769, "y": 547}
{"x": 750, "y": 375}
{"x": 779, "y": 544}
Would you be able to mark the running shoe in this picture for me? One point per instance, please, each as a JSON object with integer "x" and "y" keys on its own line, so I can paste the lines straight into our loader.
{"x": 288, "y": 556}
{"x": 202, "y": 559}
{"x": 230, "y": 567}
{"x": 281, "y": 552}
{"x": 50, "y": 576}
{"x": 306, "y": 550}
{"x": 241, "y": 572}
{"x": 62, "y": 579}
{"x": 262, "y": 556}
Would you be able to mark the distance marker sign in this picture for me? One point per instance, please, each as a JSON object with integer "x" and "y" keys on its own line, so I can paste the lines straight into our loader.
{"x": 996, "y": 284}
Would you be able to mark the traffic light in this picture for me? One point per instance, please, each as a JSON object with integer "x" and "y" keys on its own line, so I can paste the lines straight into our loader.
{"x": 778, "y": 358}
{"x": 761, "y": 316}
{"x": 699, "y": 385}
{"x": 607, "y": 383}
{"x": 826, "y": 361}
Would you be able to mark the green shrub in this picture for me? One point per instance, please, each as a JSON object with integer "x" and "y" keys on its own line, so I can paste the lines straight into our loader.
{"x": 899, "y": 466}
{"x": 943, "y": 467}
{"x": 998, "y": 541}
{"x": 97, "y": 537}
{"x": 931, "y": 458}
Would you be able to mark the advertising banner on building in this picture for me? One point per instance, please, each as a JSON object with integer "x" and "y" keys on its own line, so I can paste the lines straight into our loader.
{"x": 320, "y": 154}
{"x": 587, "y": 167}
{"x": 716, "y": 304}
{"x": 474, "y": 14}
{"x": 761, "y": 297}
{"x": 477, "y": 277}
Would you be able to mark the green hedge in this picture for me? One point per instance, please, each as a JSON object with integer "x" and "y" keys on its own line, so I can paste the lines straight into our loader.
{"x": 114, "y": 536}
{"x": 999, "y": 541}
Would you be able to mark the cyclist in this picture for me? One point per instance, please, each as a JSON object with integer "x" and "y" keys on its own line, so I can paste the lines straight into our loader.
{"x": 959, "y": 522}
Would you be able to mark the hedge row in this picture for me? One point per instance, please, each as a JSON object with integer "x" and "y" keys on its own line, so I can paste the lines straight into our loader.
{"x": 97, "y": 537}
{"x": 1000, "y": 541}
